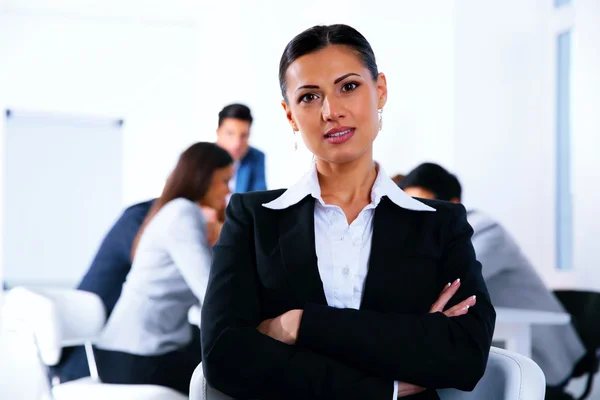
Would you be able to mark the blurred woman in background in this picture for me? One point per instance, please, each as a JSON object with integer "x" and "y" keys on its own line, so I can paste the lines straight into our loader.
{"x": 147, "y": 337}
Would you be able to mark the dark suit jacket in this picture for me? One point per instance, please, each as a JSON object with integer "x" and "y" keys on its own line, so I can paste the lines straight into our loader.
{"x": 112, "y": 262}
{"x": 250, "y": 175}
{"x": 265, "y": 264}
{"x": 105, "y": 277}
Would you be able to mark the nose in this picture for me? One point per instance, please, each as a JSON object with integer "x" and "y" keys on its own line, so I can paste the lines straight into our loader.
{"x": 332, "y": 109}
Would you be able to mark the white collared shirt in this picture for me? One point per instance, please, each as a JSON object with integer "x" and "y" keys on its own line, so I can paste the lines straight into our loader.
{"x": 343, "y": 250}
{"x": 233, "y": 180}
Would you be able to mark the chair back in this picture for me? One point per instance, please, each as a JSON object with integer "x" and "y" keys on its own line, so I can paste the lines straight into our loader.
{"x": 584, "y": 307}
{"x": 55, "y": 318}
{"x": 508, "y": 376}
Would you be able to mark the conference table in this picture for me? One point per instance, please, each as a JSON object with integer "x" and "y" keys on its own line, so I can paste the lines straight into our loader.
{"x": 513, "y": 326}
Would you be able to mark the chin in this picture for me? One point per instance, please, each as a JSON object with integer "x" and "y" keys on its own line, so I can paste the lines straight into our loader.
{"x": 342, "y": 156}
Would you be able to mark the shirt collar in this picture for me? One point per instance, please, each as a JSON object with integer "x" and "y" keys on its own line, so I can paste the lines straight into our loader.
{"x": 383, "y": 186}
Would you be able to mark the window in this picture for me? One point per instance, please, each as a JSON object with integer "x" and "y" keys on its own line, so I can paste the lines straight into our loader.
{"x": 564, "y": 206}
{"x": 560, "y": 3}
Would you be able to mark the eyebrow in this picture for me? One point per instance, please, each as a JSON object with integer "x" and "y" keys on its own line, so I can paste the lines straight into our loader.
{"x": 338, "y": 80}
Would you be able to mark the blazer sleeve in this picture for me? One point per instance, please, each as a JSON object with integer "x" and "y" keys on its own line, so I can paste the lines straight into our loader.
{"x": 429, "y": 350}
{"x": 243, "y": 363}
{"x": 187, "y": 245}
{"x": 259, "y": 181}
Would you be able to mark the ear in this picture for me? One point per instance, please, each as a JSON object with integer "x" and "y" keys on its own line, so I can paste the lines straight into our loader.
{"x": 289, "y": 116}
{"x": 455, "y": 200}
{"x": 381, "y": 90}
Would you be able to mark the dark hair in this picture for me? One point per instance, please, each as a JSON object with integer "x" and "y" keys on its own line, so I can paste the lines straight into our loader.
{"x": 190, "y": 179}
{"x": 433, "y": 177}
{"x": 236, "y": 111}
{"x": 320, "y": 36}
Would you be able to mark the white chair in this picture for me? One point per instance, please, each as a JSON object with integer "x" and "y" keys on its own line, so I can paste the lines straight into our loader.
{"x": 57, "y": 318}
{"x": 508, "y": 376}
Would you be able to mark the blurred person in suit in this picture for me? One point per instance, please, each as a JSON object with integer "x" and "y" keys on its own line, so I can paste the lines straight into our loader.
{"x": 511, "y": 279}
{"x": 233, "y": 134}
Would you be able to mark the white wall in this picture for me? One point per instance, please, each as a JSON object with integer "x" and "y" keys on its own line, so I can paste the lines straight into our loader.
{"x": 243, "y": 56}
{"x": 504, "y": 118}
{"x": 505, "y": 124}
{"x": 168, "y": 81}
{"x": 471, "y": 87}
{"x": 168, "y": 71}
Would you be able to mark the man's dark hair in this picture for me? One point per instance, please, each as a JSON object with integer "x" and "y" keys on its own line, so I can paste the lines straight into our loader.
{"x": 236, "y": 111}
{"x": 433, "y": 177}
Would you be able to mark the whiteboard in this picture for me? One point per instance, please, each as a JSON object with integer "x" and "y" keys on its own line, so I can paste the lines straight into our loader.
{"x": 62, "y": 191}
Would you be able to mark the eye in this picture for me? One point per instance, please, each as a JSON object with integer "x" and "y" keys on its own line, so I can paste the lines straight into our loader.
{"x": 307, "y": 98}
{"x": 349, "y": 87}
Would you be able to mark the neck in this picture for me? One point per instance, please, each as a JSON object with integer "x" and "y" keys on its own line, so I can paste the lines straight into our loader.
{"x": 349, "y": 182}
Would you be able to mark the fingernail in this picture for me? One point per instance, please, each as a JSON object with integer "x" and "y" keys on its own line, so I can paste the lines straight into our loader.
{"x": 449, "y": 284}
{"x": 467, "y": 307}
{"x": 456, "y": 281}
{"x": 474, "y": 297}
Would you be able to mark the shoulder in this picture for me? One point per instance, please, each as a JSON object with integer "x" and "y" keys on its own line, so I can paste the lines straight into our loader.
{"x": 255, "y": 154}
{"x": 447, "y": 222}
{"x": 482, "y": 222}
{"x": 250, "y": 204}
{"x": 129, "y": 222}
{"x": 139, "y": 209}
{"x": 180, "y": 207}
{"x": 178, "y": 217}
{"x": 444, "y": 210}
{"x": 253, "y": 201}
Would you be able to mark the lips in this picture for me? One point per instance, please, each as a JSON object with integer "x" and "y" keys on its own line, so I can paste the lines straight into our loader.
{"x": 339, "y": 135}
{"x": 336, "y": 132}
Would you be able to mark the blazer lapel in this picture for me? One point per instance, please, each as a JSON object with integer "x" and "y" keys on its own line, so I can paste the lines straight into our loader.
{"x": 297, "y": 247}
{"x": 242, "y": 177}
{"x": 390, "y": 228}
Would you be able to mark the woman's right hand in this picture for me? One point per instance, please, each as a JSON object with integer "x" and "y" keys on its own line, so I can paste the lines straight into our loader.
{"x": 408, "y": 389}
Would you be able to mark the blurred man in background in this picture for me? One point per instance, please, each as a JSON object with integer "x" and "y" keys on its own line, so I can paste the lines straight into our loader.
{"x": 233, "y": 134}
{"x": 511, "y": 279}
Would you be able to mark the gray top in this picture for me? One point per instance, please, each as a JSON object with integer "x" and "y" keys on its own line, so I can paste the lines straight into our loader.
{"x": 169, "y": 274}
{"x": 513, "y": 282}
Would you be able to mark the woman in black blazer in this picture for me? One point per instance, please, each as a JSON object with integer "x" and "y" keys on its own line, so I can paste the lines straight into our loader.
{"x": 331, "y": 289}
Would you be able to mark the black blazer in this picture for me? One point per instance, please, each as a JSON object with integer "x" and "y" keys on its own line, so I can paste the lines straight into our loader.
{"x": 265, "y": 264}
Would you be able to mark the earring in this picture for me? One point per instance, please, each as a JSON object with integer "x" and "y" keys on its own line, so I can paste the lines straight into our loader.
{"x": 381, "y": 119}
{"x": 295, "y": 141}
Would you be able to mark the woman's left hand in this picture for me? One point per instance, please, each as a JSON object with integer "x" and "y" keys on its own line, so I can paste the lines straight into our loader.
{"x": 283, "y": 328}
